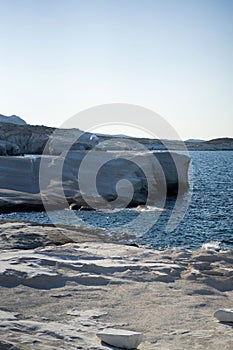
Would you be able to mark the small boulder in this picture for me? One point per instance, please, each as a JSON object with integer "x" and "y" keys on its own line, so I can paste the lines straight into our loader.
{"x": 224, "y": 315}
{"x": 120, "y": 338}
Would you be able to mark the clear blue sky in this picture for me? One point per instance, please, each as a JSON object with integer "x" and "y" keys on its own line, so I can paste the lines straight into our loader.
{"x": 173, "y": 56}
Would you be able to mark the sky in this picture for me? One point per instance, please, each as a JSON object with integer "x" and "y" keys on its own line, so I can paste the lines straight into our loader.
{"x": 175, "y": 57}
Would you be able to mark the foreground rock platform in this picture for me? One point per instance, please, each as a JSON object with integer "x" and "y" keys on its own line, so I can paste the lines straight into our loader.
{"x": 63, "y": 292}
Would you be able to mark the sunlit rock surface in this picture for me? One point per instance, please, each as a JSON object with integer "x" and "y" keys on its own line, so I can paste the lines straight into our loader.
{"x": 74, "y": 285}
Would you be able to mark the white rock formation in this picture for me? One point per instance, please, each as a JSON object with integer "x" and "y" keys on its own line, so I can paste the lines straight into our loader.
{"x": 120, "y": 181}
{"x": 120, "y": 338}
{"x": 224, "y": 315}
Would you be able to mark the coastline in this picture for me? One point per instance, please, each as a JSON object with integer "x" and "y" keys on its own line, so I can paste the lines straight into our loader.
{"x": 69, "y": 286}
{"x": 116, "y": 175}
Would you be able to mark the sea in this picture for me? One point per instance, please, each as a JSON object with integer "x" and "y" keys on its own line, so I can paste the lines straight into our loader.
{"x": 207, "y": 215}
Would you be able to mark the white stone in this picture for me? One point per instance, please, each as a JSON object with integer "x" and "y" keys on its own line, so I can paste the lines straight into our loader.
{"x": 120, "y": 338}
{"x": 224, "y": 315}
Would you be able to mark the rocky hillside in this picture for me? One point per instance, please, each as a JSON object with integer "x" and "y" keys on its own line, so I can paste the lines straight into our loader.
{"x": 32, "y": 139}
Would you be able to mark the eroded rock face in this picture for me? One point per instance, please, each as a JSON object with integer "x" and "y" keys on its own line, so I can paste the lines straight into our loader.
{"x": 122, "y": 178}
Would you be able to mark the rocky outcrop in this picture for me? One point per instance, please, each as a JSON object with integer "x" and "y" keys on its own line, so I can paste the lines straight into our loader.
{"x": 108, "y": 179}
{"x": 121, "y": 179}
{"x": 34, "y": 139}
{"x": 29, "y": 235}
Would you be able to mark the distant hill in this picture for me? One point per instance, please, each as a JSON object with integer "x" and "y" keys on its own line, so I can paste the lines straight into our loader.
{"x": 222, "y": 140}
{"x": 219, "y": 144}
{"x": 13, "y": 119}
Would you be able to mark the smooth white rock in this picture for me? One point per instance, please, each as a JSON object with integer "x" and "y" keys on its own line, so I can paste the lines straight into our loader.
{"x": 224, "y": 315}
{"x": 120, "y": 338}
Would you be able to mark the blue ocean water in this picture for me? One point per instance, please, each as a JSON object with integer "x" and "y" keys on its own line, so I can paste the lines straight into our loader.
{"x": 209, "y": 216}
